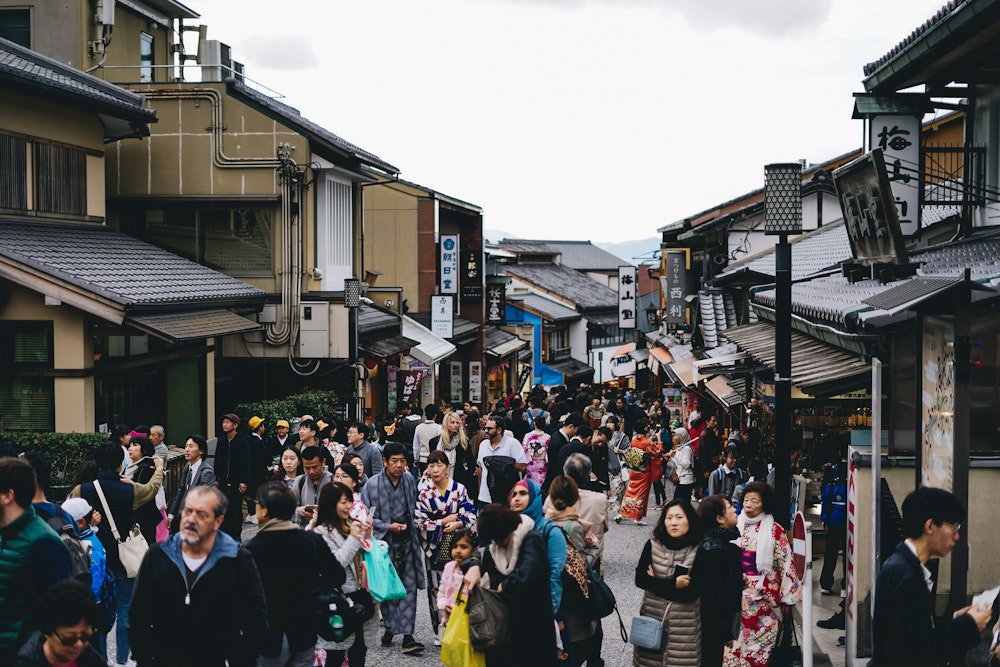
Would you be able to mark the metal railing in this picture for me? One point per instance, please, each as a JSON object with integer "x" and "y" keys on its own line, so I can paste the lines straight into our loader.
{"x": 559, "y": 353}
{"x": 190, "y": 74}
{"x": 955, "y": 175}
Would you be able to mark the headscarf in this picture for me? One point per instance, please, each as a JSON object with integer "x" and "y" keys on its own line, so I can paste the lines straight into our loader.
{"x": 682, "y": 435}
{"x": 534, "y": 508}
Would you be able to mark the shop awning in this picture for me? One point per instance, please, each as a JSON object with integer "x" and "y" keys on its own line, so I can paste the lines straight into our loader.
{"x": 572, "y": 369}
{"x": 430, "y": 348}
{"x": 640, "y": 354}
{"x": 682, "y": 370}
{"x": 720, "y": 388}
{"x": 661, "y": 355}
{"x": 386, "y": 347}
{"x": 500, "y": 343}
{"x": 193, "y": 325}
{"x": 623, "y": 350}
{"x": 818, "y": 369}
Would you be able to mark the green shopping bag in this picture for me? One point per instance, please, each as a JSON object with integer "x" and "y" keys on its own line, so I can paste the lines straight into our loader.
{"x": 456, "y": 648}
{"x": 383, "y": 581}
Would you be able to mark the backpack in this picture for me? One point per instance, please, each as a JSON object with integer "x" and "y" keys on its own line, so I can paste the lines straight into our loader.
{"x": 79, "y": 550}
{"x": 835, "y": 501}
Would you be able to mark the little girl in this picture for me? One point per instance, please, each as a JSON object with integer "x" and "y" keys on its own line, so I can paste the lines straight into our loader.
{"x": 451, "y": 579}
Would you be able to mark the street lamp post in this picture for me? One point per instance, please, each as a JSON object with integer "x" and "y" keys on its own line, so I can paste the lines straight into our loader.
{"x": 783, "y": 216}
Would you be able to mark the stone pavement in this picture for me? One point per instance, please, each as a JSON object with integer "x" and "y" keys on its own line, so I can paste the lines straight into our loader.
{"x": 623, "y": 544}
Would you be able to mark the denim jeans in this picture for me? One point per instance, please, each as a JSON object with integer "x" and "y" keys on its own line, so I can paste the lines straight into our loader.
{"x": 125, "y": 587}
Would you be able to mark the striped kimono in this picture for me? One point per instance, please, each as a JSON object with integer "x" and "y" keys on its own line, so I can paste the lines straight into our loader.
{"x": 396, "y": 502}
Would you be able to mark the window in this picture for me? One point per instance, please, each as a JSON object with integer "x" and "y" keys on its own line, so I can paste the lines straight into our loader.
{"x": 15, "y": 25}
{"x": 604, "y": 335}
{"x": 26, "y": 403}
{"x": 60, "y": 179}
{"x": 145, "y": 57}
{"x": 334, "y": 247}
{"x": 13, "y": 172}
{"x": 231, "y": 239}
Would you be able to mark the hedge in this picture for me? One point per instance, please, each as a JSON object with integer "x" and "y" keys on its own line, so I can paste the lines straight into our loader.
{"x": 318, "y": 403}
{"x": 67, "y": 452}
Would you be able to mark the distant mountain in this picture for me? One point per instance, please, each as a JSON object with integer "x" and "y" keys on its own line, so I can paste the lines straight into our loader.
{"x": 494, "y": 235}
{"x": 628, "y": 250}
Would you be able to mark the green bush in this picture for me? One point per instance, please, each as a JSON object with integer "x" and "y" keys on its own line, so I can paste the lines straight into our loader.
{"x": 318, "y": 403}
{"x": 67, "y": 452}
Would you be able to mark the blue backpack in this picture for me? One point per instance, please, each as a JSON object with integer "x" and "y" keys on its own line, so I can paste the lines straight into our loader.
{"x": 835, "y": 501}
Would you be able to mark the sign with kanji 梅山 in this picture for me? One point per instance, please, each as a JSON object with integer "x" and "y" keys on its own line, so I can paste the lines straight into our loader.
{"x": 627, "y": 297}
{"x": 898, "y": 137}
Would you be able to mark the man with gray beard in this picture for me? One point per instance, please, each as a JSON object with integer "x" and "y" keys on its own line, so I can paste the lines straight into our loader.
{"x": 198, "y": 578}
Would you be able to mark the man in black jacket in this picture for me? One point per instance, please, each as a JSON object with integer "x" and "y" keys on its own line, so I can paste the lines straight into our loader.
{"x": 232, "y": 470}
{"x": 905, "y": 629}
{"x": 203, "y": 581}
{"x": 560, "y": 439}
{"x": 290, "y": 638}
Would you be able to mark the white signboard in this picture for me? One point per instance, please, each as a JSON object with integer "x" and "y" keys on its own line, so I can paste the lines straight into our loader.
{"x": 626, "y": 297}
{"x": 456, "y": 380}
{"x": 475, "y": 382}
{"x": 899, "y": 139}
{"x": 448, "y": 278}
{"x": 442, "y": 315}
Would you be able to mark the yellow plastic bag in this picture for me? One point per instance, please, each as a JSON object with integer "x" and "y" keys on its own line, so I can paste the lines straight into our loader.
{"x": 456, "y": 649}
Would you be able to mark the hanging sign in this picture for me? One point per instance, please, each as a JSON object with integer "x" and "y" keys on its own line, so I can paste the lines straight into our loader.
{"x": 672, "y": 286}
{"x": 443, "y": 315}
{"x": 898, "y": 136}
{"x": 409, "y": 384}
{"x": 472, "y": 275}
{"x": 496, "y": 304}
{"x": 627, "y": 285}
{"x": 448, "y": 278}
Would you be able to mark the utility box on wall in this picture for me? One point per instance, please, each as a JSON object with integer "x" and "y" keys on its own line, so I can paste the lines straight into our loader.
{"x": 314, "y": 330}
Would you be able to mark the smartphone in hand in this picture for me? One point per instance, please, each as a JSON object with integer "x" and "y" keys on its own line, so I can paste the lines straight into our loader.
{"x": 680, "y": 570}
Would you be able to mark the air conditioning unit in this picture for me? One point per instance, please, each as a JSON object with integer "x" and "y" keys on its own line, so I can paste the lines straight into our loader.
{"x": 216, "y": 60}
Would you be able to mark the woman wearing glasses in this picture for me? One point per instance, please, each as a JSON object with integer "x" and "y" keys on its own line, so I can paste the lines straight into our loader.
{"x": 67, "y": 616}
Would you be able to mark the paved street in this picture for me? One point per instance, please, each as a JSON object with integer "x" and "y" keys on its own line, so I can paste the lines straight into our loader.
{"x": 623, "y": 545}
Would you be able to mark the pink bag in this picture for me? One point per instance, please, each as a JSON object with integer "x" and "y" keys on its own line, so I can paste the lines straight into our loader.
{"x": 162, "y": 528}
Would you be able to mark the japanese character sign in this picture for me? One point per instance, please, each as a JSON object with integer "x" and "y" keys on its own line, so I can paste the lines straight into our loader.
{"x": 626, "y": 297}
{"x": 442, "y": 315}
{"x": 496, "y": 304}
{"x": 898, "y": 136}
{"x": 870, "y": 212}
{"x": 673, "y": 285}
{"x": 449, "y": 254}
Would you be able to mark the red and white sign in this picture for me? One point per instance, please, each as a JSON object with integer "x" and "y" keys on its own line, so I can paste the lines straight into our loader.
{"x": 799, "y": 545}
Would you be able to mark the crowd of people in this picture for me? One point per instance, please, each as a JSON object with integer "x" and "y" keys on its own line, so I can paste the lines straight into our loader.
{"x": 517, "y": 500}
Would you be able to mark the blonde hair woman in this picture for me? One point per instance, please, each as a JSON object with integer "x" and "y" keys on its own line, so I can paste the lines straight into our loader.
{"x": 452, "y": 437}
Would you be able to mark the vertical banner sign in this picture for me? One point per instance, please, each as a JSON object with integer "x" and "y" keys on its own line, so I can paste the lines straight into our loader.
{"x": 496, "y": 304}
{"x": 475, "y": 382}
{"x": 456, "y": 380}
{"x": 409, "y": 385}
{"x": 472, "y": 275}
{"x": 899, "y": 139}
{"x": 672, "y": 284}
{"x": 937, "y": 403}
{"x": 851, "y": 554}
{"x": 448, "y": 278}
{"x": 626, "y": 297}
{"x": 391, "y": 374}
{"x": 443, "y": 315}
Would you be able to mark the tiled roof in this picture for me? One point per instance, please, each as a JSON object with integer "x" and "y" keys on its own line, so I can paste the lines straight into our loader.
{"x": 572, "y": 369}
{"x": 913, "y": 36}
{"x": 25, "y": 68}
{"x": 292, "y": 117}
{"x": 120, "y": 268}
{"x": 819, "y": 249}
{"x": 567, "y": 283}
{"x": 500, "y": 343}
{"x": 585, "y": 256}
{"x": 718, "y": 313}
{"x": 372, "y": 318}
{"x": 187, "y": 326}
{"x": 547, "y": 308}
{"x": 527, "y": 246}
{"x": 384, "y": 347}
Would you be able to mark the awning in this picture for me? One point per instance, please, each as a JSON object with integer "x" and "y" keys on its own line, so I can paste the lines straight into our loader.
{"x": 386, "y": 347}
{"x": 572, "y": 369}
{"x": 623, "y": 350}
{"x": 430, "y": 348}
{"x": 818, "y": 369}
{"x": 193, "y": 325}
{"x": 640, "y": 354}
{"x": 681, "y": 370}
{"x": 500, "y": 343}
{"x": 661, "y": 355}
{"x": 719, "y": 388}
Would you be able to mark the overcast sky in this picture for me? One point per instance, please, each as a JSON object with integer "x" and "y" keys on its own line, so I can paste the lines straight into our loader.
{"x": 574, "y": 119}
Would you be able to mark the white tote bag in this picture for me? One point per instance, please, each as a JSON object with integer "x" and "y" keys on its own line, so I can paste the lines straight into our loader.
{"x": 132, "y": 550}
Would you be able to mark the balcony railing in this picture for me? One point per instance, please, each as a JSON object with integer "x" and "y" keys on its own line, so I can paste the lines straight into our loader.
{"x": 559, "y": 353}
{"x": 955, "y": 175}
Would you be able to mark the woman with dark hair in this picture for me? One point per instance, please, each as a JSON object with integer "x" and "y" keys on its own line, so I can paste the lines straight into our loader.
{"x": 668, "y": 573}
{"x": 443, "y": 507}
{"x": 289, "y": 465}
{"x": 121, "y": 435}
{"x": 67, "y": 617}
{"x": 357, "y": 462}
{"x": 465, "y": 455}
{"x": 720, "y": 592}
{"x": 536, "y": 448}
{"x": 140, "y": 470}
{"x": 770, "y": 588}
{"x": 517, "y": 566}
{"x": 344, "y": 536}
{"x": 639, "y": 459}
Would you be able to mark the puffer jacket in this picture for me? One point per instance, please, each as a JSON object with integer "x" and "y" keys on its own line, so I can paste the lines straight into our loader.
{"x": 678, "y": 607}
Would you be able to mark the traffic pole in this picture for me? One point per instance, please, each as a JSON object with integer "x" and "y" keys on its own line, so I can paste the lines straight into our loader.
{"x": 802, "y": 562}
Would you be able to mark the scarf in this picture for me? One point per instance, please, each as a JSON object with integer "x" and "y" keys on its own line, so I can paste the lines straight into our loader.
{"x": 505, "y": 556}
{"x": 765, "y": 540}
{"x": 276, "y": 524}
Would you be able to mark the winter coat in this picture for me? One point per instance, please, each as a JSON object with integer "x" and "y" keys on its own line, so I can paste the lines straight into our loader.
{"x": 32, "y": 655}
{"x": 682, "y": 618}
{"x": 720, "y": 592}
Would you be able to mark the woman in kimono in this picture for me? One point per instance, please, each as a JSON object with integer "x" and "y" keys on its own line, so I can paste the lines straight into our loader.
{"x": 770, "y": 588}
{"x": 639, "y": 459}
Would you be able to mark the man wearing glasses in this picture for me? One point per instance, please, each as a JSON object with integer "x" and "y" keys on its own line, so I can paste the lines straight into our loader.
{"x": 496, "y": 444}
{"x": 369, "y": 453}
{"x": 905, "y": 629}
{"x": 198, "y": 578}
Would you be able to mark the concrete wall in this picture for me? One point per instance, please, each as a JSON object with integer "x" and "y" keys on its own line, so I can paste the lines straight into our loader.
{"x": 65, "y": 45}
{"x": 390, "y": 224}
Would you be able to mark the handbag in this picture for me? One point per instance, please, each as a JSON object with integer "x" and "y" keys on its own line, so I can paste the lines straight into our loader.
{"x": 134, "y": 548}
{"x": 338, "y": 615}
{"x": 489, "y": 624}
{"x": 456, "y": 645}
{"x": 602, "y": 601}
{"x": 788, "y": 652}
{"x": 648, "y": 633}
{"x": 383, "y": 580}
{"x": 443, "y": 554}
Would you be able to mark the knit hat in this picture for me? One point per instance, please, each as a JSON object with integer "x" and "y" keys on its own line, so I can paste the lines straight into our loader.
{"x": 77, "y": 508}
